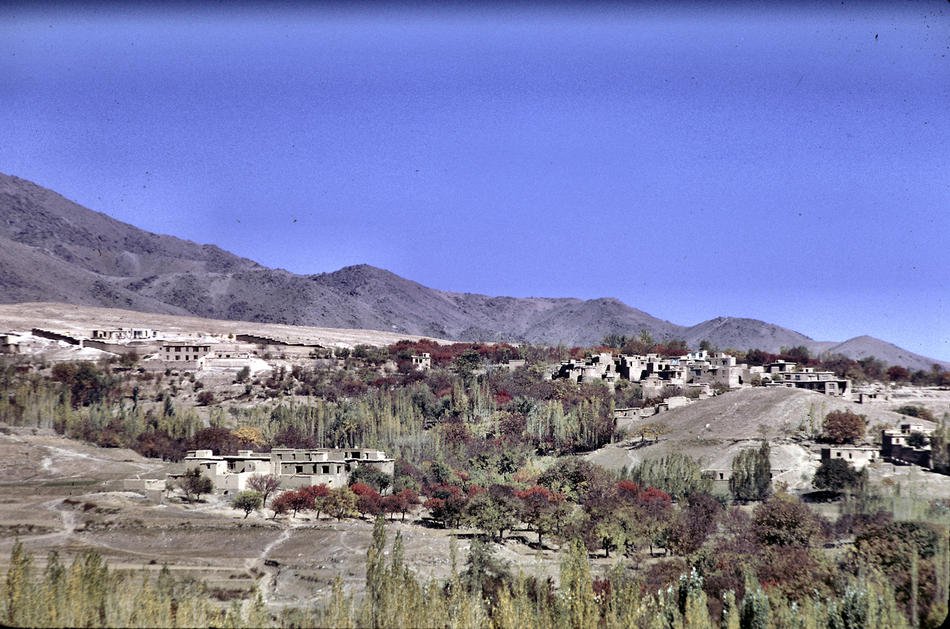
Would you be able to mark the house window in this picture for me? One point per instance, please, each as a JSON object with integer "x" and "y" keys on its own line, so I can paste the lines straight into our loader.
{"x": 326, "y": 469}
{"x": 300, "y": 469}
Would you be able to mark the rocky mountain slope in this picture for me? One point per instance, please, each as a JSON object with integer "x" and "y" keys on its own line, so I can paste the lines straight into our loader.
{"x": 52, "y": 249}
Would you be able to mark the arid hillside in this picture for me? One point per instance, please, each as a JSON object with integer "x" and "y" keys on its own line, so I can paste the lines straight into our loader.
{"x": 713, "y": 431}
{"x": 54, "y": 250}
{"x": 83, "y": 319}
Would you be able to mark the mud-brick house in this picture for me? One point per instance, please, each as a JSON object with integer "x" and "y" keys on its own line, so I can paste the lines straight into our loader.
{"x": 897, "y": 446}
{"x": 9, "y": 344}
{"x": 124, "y": 334}
{"x": 295, "y": 467}
{"x": 422, "y": 362}
{"x": 781, "y": 373}
{"x": 858, "y": 456}
{"x": 184, "y": 355}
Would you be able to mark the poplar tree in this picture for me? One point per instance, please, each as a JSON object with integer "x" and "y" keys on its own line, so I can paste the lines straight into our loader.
{"x": 577, "y": 593}
{"x": 19, "y": 587}
{"x": 752, "y": 474}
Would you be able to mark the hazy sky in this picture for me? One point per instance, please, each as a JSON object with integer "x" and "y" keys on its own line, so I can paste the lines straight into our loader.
{"x": 788, "y": 163}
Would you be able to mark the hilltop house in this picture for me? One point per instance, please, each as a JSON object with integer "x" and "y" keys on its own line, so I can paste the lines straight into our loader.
{"x": 124, "y": 334}
{"x": 655, "y": 372}
{"x": 782, "y": 373}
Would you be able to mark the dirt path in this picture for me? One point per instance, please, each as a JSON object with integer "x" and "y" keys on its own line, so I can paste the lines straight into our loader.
{"x": 267, "y": 582}
{"x": 57, "y": 453}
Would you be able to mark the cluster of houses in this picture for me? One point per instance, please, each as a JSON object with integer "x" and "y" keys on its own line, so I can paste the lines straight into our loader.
{"x": 179, "y": 353}
{"x": 907, "y": 445}
{"x": 697, "y": 369}
{"x": 158, "y": 351}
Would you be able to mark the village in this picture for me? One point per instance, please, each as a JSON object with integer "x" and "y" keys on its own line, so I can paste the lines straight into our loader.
{"x": 667, "y": 382}
{"x": 251, "y": 449}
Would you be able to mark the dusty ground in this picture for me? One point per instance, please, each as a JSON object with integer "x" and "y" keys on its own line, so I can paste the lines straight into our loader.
{"x": 715, "y": 430}
{"x": 935, "y": 400}
{"x": 82, "y": 320}
{"x": 64, "y": 495}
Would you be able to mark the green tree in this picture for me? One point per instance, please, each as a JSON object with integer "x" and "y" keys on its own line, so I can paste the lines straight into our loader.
{"x": 376, "y": 568}
{"x": 484, "y": 573}
{"x": 491, "y": 513}
{"x": 340, "y": 503}
{"x": 466, "y": 364}
{"x": 19, "y": 587}
{"x": 917, "y": 439}
{"x": 247, "y": 501}
{"x": 610, "y": 533}
{"x": 579, "y": 608}
{"x": 752, "y": 474}
{"x": 677, "y": 474}
{"x": 194, "y": 483}
{"x": 838, "y": 475}
{"x": 380, "y": 481}
{"x": 755, "y": 610}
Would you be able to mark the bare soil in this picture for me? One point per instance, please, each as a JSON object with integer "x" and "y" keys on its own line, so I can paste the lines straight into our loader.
{"x": 59, "y": 494}
{"x": 82, "y": 320}
{"x": 713, "y": 431}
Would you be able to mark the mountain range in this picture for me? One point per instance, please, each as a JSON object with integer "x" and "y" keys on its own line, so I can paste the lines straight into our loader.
{"x": 54, "y": 250}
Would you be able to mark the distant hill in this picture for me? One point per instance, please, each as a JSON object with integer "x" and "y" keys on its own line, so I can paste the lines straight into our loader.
{"x": 868, "y": 346}
{"x": 54, "y": 250}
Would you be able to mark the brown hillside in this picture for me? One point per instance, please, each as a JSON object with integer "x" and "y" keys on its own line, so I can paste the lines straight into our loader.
{"x": 713, "y": 431}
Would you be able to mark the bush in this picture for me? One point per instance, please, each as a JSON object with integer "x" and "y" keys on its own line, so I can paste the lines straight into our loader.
{"x": 919, "y": 412}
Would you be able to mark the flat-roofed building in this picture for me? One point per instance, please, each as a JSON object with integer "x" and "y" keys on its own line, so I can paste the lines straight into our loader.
{"x": 186, "y": 355}
{"x": 295, "y": 467}
{"x": 858, "y": 456}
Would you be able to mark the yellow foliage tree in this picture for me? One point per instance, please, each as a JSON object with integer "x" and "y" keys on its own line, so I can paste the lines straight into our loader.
{"x": 250, "y": 434}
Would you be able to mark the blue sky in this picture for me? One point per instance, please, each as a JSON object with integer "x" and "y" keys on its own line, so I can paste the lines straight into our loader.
{"x": 784, "y": 162}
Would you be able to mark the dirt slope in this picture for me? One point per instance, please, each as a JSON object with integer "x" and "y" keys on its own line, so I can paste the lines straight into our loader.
{"x": 83, "y": 319}
{"x": 713, "y": 431}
